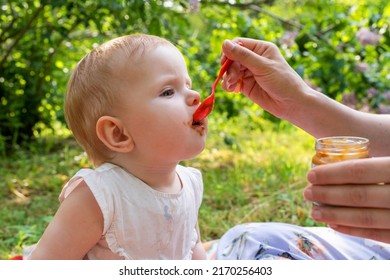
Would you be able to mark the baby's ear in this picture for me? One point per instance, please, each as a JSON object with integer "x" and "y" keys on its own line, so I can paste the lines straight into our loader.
{"x": 112, "y": 133}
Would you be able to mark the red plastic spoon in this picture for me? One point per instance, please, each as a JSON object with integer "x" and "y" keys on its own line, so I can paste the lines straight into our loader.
{"x": 207, "y": 105}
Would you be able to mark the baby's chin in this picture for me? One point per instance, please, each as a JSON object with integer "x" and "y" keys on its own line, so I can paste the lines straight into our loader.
{"x": 195, "y": 152}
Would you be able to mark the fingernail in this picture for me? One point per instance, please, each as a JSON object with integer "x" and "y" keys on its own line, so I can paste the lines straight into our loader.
{"x": 316, "y": 214}
{"x": 228, "y": 44}
{"x": 308, "y": 194}
{"x": 311, "y": 176}
{"x": 237, "y": 88}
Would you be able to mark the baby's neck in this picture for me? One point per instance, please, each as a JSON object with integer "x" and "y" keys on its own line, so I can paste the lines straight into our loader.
{"x": 161, "y": 178}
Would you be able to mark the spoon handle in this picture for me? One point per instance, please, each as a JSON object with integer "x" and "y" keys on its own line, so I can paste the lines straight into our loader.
{"x": 224, "y": 68}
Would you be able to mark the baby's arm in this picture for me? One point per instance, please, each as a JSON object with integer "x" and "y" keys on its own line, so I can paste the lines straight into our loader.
{"x": 75, "y": 229}
{"x": 199, "y": 252}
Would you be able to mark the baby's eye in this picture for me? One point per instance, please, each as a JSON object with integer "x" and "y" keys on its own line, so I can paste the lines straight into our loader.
{"x": 168, "y": 92}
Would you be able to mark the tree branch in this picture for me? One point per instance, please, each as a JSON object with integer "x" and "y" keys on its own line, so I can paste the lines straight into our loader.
{"x": 10, "y": 24}
{"x": 21, "y": 33}
{"x": 254, "y": 6}
{"x": 279, "y": 18}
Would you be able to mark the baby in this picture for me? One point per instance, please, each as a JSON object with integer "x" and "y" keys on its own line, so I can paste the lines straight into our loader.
{"x": 129, "y": 104}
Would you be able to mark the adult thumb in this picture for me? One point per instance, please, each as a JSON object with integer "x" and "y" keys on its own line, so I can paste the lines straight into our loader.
{"x": 243, "y": 54}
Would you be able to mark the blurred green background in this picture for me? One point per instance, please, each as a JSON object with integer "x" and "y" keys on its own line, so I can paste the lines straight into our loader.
{"x": 254, "y": 165}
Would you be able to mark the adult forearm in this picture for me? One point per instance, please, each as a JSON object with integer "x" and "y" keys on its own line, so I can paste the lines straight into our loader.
{"x": 322, "y": 116}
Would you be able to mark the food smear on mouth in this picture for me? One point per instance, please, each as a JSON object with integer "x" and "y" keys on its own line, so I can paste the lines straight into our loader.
{"x": 198, "y": 126}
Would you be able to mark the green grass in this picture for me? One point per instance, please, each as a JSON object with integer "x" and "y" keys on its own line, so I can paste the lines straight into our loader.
{"x": 253, "y": 171}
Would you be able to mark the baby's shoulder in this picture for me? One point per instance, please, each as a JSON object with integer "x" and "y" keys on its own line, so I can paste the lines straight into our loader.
{"x": 91, "y": 178}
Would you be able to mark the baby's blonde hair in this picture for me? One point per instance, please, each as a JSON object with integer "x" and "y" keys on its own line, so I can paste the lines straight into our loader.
{"x": 92, "y": 89}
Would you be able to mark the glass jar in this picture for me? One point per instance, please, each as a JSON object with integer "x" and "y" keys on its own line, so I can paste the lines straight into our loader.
{"x": 339, "y": 148}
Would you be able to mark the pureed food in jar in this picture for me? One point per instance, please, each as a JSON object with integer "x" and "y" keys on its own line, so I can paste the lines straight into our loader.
{"x": 339, "y": 148}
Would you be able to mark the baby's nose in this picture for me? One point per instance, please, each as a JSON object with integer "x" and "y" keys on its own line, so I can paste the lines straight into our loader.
{"x": 194, "y": 98}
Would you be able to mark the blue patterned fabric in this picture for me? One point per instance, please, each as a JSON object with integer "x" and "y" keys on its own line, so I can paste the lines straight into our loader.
{"x": 270, "y": 241}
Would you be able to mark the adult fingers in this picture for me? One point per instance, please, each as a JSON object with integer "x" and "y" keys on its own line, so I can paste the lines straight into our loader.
{"x": 382, "y": 235}
{"x": 364, "y": 196}
{"x": 232, "y": 77}
{"x": 369, "y": 218}
{"x": 368, "y": 223}
{"x": 250, "y": 54}
{"x": 361, "y": 171}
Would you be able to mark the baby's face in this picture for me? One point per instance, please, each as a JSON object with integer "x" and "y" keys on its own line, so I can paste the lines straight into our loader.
{"x": 158, "y": 104}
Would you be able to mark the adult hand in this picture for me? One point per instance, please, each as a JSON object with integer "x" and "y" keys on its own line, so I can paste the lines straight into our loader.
{"x": 261, "y": 73}
{"x": 356, "y": 194}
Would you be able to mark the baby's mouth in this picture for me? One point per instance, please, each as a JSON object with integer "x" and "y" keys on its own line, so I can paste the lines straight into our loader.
{"x": 199, "y": 126}
{"x": 198, "y": 123}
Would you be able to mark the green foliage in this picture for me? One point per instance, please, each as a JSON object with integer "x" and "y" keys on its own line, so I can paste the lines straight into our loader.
{"x": 343, "y": 48}
{"x": 42, "y": 40}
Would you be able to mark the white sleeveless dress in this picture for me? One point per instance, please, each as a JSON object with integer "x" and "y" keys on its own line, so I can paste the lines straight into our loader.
{"x": 140, "y": 222}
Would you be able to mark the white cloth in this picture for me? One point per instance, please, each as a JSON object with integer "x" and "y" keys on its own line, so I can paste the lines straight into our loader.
{"x": 140, "y": 222}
